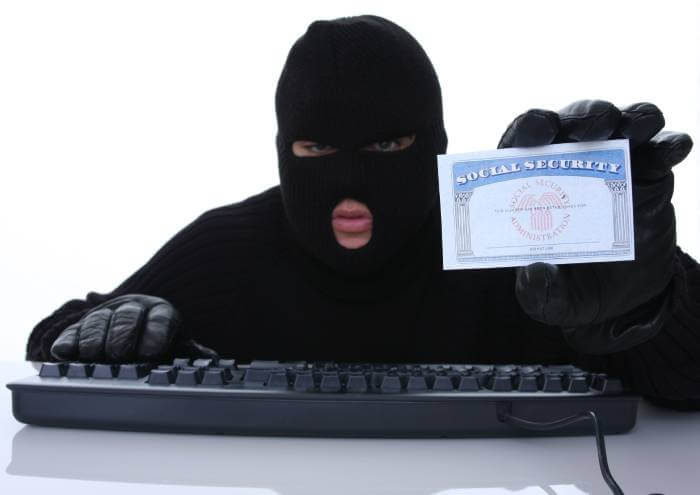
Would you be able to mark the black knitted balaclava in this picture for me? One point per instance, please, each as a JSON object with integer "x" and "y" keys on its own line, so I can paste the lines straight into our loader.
{"x": 347, "y": 83}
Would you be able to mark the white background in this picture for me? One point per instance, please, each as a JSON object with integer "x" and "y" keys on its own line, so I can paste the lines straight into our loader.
{"x": 122, "y": 121}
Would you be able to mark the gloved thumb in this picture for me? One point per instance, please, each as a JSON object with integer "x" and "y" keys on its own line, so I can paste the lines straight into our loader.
{"x": 192, "y": 348}
{"x": 558, "y": 294}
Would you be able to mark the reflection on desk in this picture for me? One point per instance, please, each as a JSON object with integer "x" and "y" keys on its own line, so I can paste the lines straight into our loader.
{"x": 296, "y": 466}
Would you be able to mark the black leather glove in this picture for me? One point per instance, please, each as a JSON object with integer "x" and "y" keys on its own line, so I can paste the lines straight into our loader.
{"x": 607, "y": 307}
{"x": 132, "y": 327}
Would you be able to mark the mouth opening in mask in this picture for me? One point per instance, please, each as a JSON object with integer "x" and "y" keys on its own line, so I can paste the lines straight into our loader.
{"x": 351, "y": 221}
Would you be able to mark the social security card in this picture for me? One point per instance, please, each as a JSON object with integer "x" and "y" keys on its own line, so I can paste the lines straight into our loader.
{"x": 561, "y": 203}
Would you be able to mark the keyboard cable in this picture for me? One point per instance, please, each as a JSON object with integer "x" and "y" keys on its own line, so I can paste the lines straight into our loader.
{"x": 505, "y": 416}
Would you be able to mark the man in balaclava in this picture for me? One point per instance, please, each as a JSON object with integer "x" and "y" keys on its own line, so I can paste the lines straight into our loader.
{"x": 342, "y": 261}
{"x": 353, "y": 102}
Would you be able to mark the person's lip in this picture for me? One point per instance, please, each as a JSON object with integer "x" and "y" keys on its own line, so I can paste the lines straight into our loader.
{"x": 352, "y": 219}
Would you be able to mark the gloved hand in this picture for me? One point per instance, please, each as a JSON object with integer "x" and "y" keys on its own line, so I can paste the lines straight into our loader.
{"x": 132, "y": 327}
{"x": 606, "y": 307}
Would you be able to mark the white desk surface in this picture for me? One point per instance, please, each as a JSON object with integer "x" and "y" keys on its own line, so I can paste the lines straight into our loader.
{"x": 660, "y": 455}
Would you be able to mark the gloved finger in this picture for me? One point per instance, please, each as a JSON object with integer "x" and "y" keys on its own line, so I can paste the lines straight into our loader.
{"x": 65, "y": 347}
{"x": 93, "y": 332}
{"x": 639, "y": 122}
{"x": 123, "y": 332}
{"x": 558, "y": 294}
{"x": 587, "y": 120}
{"x": 159, "y": 330}
{"x": 535, "y": 127}
{"x": 654, "y": 159}
{"x": 649, "y": 199}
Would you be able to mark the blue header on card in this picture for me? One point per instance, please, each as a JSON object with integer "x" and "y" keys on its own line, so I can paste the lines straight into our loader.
{"x": 601, "y": 164}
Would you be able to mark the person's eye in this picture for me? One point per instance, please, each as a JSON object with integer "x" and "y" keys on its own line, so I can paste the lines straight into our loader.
{"x": 386, "y": 145}
{"x": 392, "y": 145}
{"x": 317, "y": 148}
{"x": 311, "y": 148}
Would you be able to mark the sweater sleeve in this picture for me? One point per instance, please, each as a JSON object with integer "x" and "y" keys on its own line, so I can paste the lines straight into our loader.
{"x": 665, "y": 366}
{"x": 184, "y": 271}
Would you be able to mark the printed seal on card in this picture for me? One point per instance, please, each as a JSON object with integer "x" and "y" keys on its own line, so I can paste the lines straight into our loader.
{"x": 540, "y": 209}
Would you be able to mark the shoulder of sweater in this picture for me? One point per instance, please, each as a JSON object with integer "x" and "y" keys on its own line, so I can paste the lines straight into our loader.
{"x": 258, "y": 217}
{"x": 687, "y": 261}
{"x": 264, "y": 205}
{"x": 246, "y": 226}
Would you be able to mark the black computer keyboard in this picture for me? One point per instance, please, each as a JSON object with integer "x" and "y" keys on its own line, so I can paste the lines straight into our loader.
{"x": 320, "y": 399}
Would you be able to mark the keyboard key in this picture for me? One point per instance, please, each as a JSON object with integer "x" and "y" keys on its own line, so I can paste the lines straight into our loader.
{"x": 304, "y": 382}
{"x": 607, "y": 385}
{"x": 356, "y": 383}
{"x": 227, "y": 372}
{"x": 188, "y": 377}
{"x": 501, "y": 384}
{"x": 552, "y": 383}
{"x": 468, "y": 384}
{"x": 330, "y": 383}
{"x": 265, "y": 364}
{"x": 181, "y": 362}
{"x": 214, "y": 377}
{"x": 103, "y": 371}
{"x": 527, "y": 384}
{"x": 256, "y": 378}
{"x": 416, "y": 384}
{"x": 79, "y": 370}
{"x": 132, "y": 371}
{"x": 204, "y": 363}
{"x": 278, "y": 379}
{"x": 577, "y": 384}
{"x": 53, "y": 370}
{"x": 391, "y": 384}
{"x": 226, "y": 363}
{"x": 442, "y": 383}
{"x": 162, "y": 376}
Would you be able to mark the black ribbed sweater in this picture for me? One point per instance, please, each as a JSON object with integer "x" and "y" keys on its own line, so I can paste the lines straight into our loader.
{"x": 245, "y": 289}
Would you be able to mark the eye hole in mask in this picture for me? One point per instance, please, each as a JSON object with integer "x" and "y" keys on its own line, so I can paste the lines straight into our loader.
{"x": 314, "y": 149}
